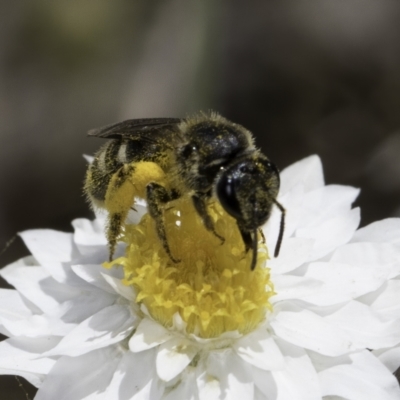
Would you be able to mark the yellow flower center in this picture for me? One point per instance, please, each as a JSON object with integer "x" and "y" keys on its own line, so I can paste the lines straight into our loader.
{"x": 212, "y": 287}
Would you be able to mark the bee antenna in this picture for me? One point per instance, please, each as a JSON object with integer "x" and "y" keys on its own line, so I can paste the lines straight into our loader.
{"x": 281, "y": 228}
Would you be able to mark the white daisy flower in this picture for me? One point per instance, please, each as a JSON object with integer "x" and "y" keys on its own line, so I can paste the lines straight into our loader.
{"x": 321, "y": 321}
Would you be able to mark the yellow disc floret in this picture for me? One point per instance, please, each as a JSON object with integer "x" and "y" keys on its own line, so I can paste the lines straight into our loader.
{"x": 212, "y": 288}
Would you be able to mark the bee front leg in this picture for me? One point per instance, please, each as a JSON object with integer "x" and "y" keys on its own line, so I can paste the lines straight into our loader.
{"x": 247, "y": 239}
{"x": 250, "y": 242}
{"x": 260, "y": 231}
{"x": 156, "y": 196}
{"x": 201, "y": 208}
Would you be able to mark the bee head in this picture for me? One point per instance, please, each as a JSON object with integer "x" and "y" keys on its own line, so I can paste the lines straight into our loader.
{"x": 247, "y": 189}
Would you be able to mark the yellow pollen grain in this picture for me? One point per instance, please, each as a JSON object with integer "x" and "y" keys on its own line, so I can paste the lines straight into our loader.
{"x": 212, "y": 289}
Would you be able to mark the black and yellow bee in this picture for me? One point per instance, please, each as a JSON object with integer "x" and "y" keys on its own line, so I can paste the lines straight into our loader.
{"x": 162, "y": 159}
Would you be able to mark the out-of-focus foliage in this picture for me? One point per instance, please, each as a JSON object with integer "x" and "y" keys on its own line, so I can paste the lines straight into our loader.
{"x": 305, "y": 76}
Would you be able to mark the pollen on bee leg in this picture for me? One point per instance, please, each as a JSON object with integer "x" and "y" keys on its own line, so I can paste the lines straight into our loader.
{"x": 212, "y": 289}
{"x": 120, "y": 194}
{"x": 126, "y": 184}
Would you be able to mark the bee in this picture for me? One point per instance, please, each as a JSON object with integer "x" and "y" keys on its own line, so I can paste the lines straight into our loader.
{"x": 161, "y": 159}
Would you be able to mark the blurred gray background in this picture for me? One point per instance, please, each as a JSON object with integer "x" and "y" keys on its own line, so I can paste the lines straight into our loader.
{"x": 305, "y": 76}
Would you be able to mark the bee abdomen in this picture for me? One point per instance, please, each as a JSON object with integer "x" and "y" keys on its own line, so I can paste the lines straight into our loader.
{"x": 105, "y": 164}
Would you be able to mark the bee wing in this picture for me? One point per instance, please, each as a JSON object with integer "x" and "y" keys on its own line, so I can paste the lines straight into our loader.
{"x": 144, "y": 128}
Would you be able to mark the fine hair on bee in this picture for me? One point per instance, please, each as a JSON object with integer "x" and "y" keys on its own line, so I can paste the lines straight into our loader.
{"x": 162, "y": 159}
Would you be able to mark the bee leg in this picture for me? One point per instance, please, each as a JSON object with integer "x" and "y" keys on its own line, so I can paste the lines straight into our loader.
{"x": 113, "y": 231}
{"x": 201, "y": 208}
{"x": 118, "y": 201}
{"x": 156, "y": 195}
{"x": 250, "y": 242}
{"x": 262, "y": 235}
{"x": 247, "y": 240}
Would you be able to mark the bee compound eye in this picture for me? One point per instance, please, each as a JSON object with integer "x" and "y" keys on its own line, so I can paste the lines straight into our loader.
{"x": 188, "y": 150}
{"x": 227, "y": 196}
{"x": 247, "y": 169}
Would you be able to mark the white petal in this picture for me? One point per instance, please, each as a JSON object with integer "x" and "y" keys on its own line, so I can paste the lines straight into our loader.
{"x": 341, "y": 282}
{"x": 118, "y": 287}
{"x": 387, "y": 303}
{"x": 309, "y": 171}
{"x": 294, "y": 252}
{"x": 89, "y": 233}
{"x": 331, "y": 233}
{"x": 185, "y": 390}
{"x": 90, "y": 239}
{"x": 53, "y": 250}
{"x": 88, "y": 158}
{"x": 289, "y": 287}
{"x": 259, "y": 349}
{"x": 93, "y": 274}
{"x": 37, "y": 325}
{"x": 322, "y": 362}
{"x": 208, "y": 387}
{"x": 134, "y": 216}
{"x": 37, "y": 285}
{"x": 265, "y": 383}
{"x": 308, "y": 330}
{"x": 289, "y": 383}
{"x": 84, "y": 377}
{"x": 135, "y": 378}
{"x": 234, "y": 375}
{"x": 20, "y": 356}
{"x": 364, "y": 378}
{"x": 148, "y": 334}
{"x": 258, "y": 395}
{"x": 12, "y": 306}
{"x": 326, "y": 203}
{"x": 373, "y": 254}
{"x": 12, "y": 310}
{"x": 81, "y": 307}
{"x": 385, "y": 231}
{"x": 23, "y": 354}
{"x": 109, "y": 326}
{"x": 363, "y": 328}
{"x": 390, "y": 358}
{"x": 173, "y": 357}
{"x": 293, "y": 201}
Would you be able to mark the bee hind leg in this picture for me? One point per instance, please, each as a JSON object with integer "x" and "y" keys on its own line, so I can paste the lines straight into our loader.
{"x": 118, "y": 201}
{"x": 156, "y": 196}
{"x": 115, "y": 222}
